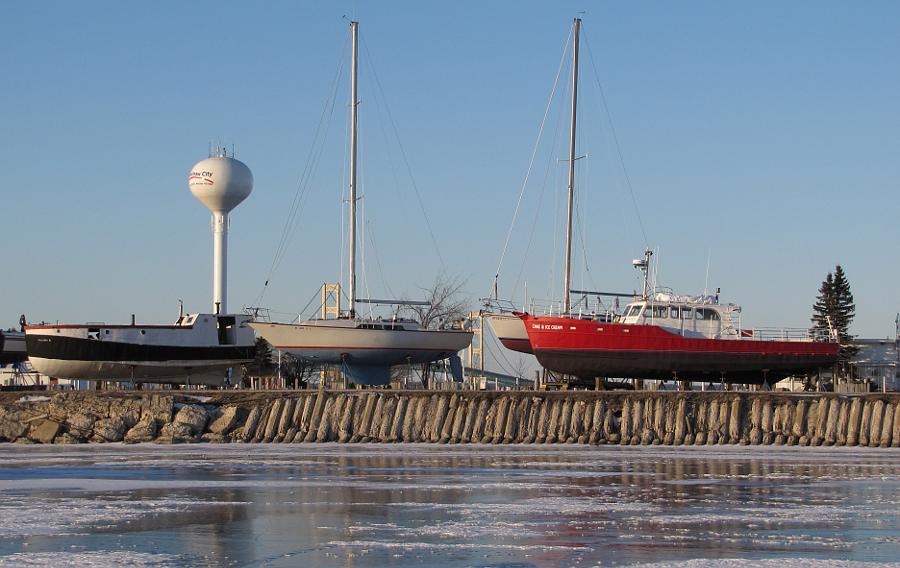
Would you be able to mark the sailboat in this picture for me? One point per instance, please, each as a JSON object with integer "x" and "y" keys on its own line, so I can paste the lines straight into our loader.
{"x": 366, "y": 349}
{"x": 662, "y": 335}
{"x": 507, "y": 326}
{"x": 198, "y": 348}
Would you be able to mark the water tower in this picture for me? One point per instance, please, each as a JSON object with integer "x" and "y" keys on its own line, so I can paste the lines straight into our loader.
{"x": 220, "y": 183}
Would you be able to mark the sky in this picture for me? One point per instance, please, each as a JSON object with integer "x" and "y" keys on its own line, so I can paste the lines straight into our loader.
{"x": 760, "y": 140}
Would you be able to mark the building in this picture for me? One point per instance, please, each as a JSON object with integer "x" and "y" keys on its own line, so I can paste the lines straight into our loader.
{"x": 878, "y": 361}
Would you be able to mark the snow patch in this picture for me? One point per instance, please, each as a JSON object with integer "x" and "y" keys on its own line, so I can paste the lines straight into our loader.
{"x": 33, "y": 398}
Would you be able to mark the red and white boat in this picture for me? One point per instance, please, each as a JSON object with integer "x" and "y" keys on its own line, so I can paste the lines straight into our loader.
{"x": 666, "y": 336}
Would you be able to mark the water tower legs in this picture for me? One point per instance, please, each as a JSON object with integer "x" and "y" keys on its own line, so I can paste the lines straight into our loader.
{"x": 220, "y": 261}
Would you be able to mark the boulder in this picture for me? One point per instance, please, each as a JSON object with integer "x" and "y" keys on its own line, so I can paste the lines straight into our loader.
{"x": 143, "y": 431}
{"x": 12, "y": 428}
{"x": 81, "y": 424}
{"x": 214, "y": 438}
{"x": 176, "y": 433}
{"x": 66, "y": 438}
{"x": 44, "y": 431}
{"x": 194, "y": 417}
{"x": 157, "y": 407}
{"x": 128, "y": 410}
{"x": 225, "y": 422}
{"x": 109, "y": 430}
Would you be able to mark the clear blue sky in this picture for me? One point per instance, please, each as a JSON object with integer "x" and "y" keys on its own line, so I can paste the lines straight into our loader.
{"x": 765, "y": 134}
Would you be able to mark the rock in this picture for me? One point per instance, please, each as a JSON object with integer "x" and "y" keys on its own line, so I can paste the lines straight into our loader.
{"x": 225, "y": 422}
{"x": 66, "y": 438}
{"x": 176, "y": 433}
{"x": 213, "y": 438}
{"x": 109, "y": 430}
{"x": 143, "y": 431}
{"x": 12, "y": 428}
{"x": 128, "y": 410}
{"x": 44, "y": 431}
{"x": 194, "y": 417}
{"x": 249, "y": 428}
{"x": 158, "y": 407}
{"x": 81, "y": 425}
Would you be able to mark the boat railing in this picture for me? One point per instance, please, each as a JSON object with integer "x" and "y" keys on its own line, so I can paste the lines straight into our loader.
{"x": 784, "y": 334}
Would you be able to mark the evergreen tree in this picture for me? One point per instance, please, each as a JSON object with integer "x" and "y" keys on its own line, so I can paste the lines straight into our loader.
{"x": 844, "y": 312}
{"x": 834, "y": 310}
{"x": 824, "y": 307}
{"x": 262, "y": 363}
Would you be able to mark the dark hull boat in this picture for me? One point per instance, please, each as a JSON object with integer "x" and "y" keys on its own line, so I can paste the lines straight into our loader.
{"x": 12, "y": 347}
{"x": 197, "y": 349}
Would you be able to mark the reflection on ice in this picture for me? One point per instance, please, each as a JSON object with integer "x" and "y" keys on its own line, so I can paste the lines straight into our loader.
{"x": 404, "y": 505}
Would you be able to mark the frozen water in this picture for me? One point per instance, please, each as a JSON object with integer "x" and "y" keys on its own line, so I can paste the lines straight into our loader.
{"x": 409, "y": 505}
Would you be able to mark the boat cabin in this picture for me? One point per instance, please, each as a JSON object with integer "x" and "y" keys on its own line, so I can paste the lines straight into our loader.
{"x": 689, "y": 316}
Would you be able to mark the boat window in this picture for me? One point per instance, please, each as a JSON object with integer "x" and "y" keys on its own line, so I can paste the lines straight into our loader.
{"x": 687, "y": 313}
{"x": 660, "y": 311}
{"x": 707, "y": 314}
{"x": 673, "y": 313}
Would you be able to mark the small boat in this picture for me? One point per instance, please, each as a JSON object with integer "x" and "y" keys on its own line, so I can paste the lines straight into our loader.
{"x": 197, "y": 349}
{"x": 365, "y": 348}
{"x": 12, "y": 347}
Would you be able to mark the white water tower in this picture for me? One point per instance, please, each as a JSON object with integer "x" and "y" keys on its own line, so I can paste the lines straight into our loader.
{"x": 220, "y": 183}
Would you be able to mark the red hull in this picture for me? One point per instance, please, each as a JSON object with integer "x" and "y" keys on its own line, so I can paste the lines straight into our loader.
{"x": 514, "y": 344}
{"x": 589, "y": 349}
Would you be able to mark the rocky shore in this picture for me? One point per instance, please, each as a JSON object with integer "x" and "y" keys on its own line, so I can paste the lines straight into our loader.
{"x": 583, "y": 417}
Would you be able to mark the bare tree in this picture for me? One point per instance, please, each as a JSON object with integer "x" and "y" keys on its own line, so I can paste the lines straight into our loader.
{"x": 446, "y": 306}
{"x": 445, "y": 303}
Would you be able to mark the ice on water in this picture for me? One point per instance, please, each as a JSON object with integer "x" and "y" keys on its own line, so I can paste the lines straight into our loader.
{"x": 406, "y": 505}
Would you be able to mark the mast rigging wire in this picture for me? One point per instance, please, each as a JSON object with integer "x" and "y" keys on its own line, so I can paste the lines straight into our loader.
{"x": 615, "y": 137}
{"x": 309, "y": 169}
{"x": 412, "y": 179}
{"x": 533, "y": 154}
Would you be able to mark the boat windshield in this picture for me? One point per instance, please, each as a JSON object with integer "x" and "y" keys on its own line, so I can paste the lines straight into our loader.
{"x": 632, "y": 310}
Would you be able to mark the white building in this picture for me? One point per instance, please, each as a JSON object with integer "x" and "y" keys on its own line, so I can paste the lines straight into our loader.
{"x": 878, "y": 361}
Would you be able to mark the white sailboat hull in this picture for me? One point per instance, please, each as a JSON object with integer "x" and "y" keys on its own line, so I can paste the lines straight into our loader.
{"x": 341, "y": 342}
{"x": 510, "y": 330}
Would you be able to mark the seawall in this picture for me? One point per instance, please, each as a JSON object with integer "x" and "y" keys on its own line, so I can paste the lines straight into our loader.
{"x": 519, "y": 417}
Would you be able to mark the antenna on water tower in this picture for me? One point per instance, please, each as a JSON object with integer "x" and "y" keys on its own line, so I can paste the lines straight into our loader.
{"x": 220, "y": 183}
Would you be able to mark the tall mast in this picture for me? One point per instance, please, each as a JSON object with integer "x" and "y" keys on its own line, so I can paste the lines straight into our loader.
{"x": 570, "y": 209}
{"x": 354, "y": 102}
